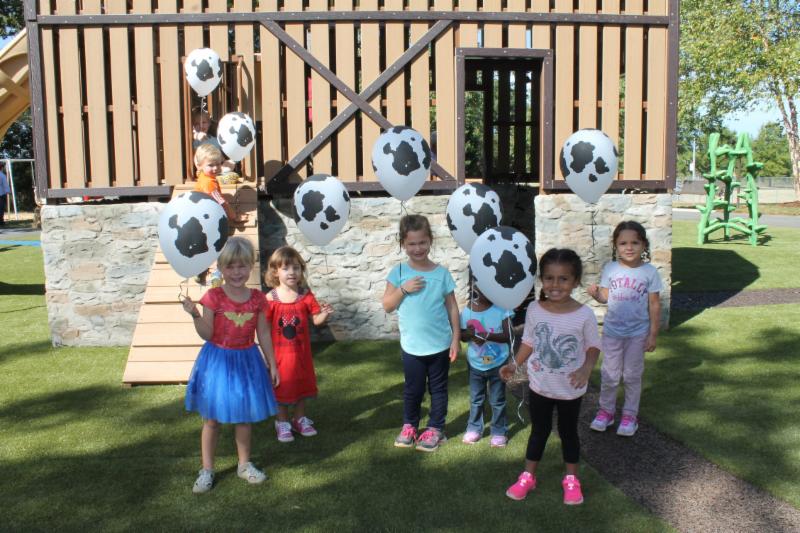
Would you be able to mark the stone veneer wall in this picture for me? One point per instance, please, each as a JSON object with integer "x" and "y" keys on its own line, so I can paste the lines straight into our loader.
{"x": 565, "y": 221}
{"x": 97, "y": 260}
{"x": 350, "y": 272}
{"x": 98, "y": 257}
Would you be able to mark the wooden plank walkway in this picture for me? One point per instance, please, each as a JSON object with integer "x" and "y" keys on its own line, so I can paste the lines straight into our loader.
{"x": 165, "y": 344}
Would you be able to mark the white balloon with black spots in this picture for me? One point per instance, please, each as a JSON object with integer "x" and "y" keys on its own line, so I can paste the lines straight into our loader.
{"x": 203, "y": 69}
{"x": 321, "y": 208}
{"x": 504, "y": 265}
{"x": 236, "y": 135}
{"x": 401, "y": 158}
{"x": 192, "y": 230}
{"x": 472, "y": 209}
{"x": 589, "y": 163}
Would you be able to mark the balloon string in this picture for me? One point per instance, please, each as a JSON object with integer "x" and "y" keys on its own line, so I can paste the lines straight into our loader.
{"x": 403, "y": 210}
{"x": 593, "y": 224}
{"x": 181, "y": 286}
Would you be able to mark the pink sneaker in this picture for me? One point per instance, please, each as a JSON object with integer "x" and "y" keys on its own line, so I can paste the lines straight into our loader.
{"x": 526, "y": 482}
{"x": 430, "y": 440}
{"x": 498, "y": 441}
{"x": 602, "y": 420}
{"x": 471, "y": 437}
{"x": 284, "y": 430}
{"x": 572, "y": 491}
{"x": 304, "y": 426}
{"x": 628, "y": 426}
{"x": 407, "y": 437}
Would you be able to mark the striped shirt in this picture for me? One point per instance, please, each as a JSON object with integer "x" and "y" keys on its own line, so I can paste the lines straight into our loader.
{"x": 559, "y": 342}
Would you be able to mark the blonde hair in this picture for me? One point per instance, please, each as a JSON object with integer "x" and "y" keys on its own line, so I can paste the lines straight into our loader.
{"x": 284, "y": 255}
{"x": 205, "y": 152}
{"x": 237, "y": 250}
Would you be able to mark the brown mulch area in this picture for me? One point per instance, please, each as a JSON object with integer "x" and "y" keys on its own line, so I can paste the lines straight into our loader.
{"x": 677, "y": 484}
{"x": 703, "y": 300}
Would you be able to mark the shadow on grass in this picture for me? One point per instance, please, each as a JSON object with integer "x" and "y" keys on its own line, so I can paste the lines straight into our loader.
{"x": 125, "y": 459}
{"x": 28, "y": 289}
{"x": 708, "y": 270}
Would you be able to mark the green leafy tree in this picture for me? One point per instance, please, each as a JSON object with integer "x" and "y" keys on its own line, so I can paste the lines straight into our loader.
{"x": 735, "y": 55}
{"x": 771, "y": 148}
{"x": 11, "y": 17}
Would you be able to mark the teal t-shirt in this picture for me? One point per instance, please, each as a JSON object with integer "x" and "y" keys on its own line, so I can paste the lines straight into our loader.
{"x": 424, "y": 324}
{"x": 490, "y": 354}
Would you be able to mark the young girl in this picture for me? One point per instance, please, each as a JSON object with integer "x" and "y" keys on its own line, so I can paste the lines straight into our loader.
{"x": 631, "y": 288}
{"x": 562, "y": 336}
{"x": 422, "y": 293}
{"x": 230, "y": 382}
{"x": 485, "y": 327}
{"x": 291, "y": 304}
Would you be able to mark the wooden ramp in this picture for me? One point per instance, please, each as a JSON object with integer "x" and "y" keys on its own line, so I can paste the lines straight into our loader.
{"x": 165, "y": 344}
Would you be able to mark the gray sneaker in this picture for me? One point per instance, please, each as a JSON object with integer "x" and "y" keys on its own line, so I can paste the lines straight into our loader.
{"x": 204, "y": 481}
{"x": 250, "y": 473}
{"x": 430, "y": 440}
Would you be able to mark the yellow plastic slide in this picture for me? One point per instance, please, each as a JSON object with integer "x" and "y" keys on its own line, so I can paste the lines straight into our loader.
{"x": 15, "y": 95}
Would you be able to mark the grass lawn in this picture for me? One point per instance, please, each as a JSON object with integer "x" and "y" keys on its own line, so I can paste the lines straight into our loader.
{"x": 725, "y": 382}
{"x": 81, "y": 452}
{"x": 735, "y": 264}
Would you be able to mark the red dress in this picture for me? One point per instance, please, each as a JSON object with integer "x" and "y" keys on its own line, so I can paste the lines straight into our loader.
{"x": 291, "y": 342}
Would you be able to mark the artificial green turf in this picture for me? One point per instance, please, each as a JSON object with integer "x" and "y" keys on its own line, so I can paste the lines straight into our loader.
{"x": 734, "y": 265}
{"x": 725, "y": 382}
{"x": 80, "y": 452}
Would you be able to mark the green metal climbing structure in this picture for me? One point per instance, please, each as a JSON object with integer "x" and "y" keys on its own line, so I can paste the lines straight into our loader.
{"x": 724, "y": 191}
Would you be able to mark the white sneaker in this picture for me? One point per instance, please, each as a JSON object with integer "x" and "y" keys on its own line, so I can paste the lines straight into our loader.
{"x": 284, "y": 430}
{"x": 602, "y": 420}
{"x": 252, "y": 474}
{"x": 627, "y": 426}
{"x": 204, "y": 481}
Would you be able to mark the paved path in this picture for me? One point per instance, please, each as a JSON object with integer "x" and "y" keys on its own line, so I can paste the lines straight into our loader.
{"x": 778, "y": 221}
{"x": 678, "y": 485}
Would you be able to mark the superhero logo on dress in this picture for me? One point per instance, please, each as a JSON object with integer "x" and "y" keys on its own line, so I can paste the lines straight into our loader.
{"x": 238, "y": 318}
{"x": 289, "y": 326}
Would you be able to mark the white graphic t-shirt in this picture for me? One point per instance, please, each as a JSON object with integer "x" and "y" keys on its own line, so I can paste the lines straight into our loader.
{"x": 559, "y": 342}
{"x": 628, "y": 298}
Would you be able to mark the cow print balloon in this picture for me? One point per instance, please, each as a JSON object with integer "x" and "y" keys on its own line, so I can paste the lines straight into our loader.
{"x": 192, "y": 230}
{"x": 321, "y": 208}
{"x": 236, "y": 135}
{"x": 589, "y": 163}
{"x": 504, "y": 266}
{"x": 472, "y": 209}
{"x": 401, "y": 158}
{"x": 203, "y": 69}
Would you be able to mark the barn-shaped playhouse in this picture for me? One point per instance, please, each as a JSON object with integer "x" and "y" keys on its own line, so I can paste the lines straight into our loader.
{"x": 495, "y": 85}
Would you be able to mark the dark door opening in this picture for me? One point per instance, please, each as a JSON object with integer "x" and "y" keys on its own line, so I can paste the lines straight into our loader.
{"x": 502, "y": 120}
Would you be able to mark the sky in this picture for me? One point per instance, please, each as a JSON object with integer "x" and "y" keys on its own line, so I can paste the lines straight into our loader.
{"x": 745, "y": 122}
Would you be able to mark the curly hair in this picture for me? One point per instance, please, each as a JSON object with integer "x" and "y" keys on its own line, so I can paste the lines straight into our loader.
{"x": 560, "y": 256}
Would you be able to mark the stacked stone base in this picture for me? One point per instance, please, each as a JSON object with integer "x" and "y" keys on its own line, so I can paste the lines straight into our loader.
{"x": 98, "y": 257}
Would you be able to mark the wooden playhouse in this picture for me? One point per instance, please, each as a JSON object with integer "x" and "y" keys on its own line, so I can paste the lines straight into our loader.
{"x": 321, "y": 78}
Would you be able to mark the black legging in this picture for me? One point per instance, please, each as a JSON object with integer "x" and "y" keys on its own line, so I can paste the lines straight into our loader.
{"x": 541, "y": 409}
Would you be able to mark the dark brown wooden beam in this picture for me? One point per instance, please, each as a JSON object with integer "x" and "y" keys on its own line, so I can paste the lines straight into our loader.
{"x": 671, "y": 136}
{"x": 38, "y": 123}
{"x": 354, "y": 16}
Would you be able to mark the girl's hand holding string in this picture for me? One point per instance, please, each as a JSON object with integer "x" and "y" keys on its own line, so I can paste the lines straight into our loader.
{"x": 507, "y": 371}
{"x": 190, "y": 307}
{"x": 593, "y": 290}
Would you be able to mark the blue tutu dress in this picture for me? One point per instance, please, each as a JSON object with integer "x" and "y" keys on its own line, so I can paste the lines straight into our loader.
{"x": 230, "y": 382}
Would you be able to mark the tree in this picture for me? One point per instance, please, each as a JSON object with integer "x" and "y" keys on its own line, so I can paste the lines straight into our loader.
{"x": 11, "y": 18}
{"x": 771, "y": 148}
{"x": 735, "y": 55}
